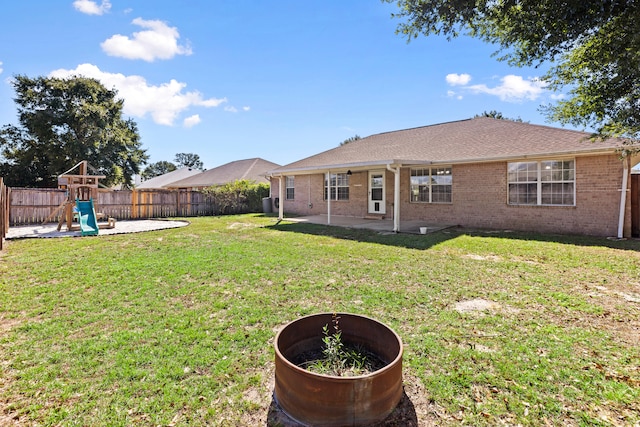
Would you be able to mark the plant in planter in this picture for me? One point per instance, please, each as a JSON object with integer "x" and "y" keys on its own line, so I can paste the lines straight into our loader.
{"x": 354, "y": 398}
{"x": 338, "y": 359}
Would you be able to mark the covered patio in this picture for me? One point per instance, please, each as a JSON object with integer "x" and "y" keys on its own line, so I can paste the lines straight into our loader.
{"x": 379, "y": 225}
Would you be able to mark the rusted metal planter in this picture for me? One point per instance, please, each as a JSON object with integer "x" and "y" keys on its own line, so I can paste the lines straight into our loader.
{"x": 323, "y": 400}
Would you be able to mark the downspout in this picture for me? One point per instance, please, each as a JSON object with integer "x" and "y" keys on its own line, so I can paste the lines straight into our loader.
{"x": 623, "y": 196}
{"x": 281, "y": 199}
{"x": 328, "y": 197}
{"x": 396, "y": 198}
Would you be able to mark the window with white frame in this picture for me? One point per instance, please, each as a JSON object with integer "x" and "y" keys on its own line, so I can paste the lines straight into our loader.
{"x": 337, "y": 185}
{"x": 545, "y": 182}
{"x": 431, "y": 185}
{"x": 289, "y": 187}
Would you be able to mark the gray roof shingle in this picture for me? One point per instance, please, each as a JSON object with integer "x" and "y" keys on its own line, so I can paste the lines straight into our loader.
{"x": 163, "y": 181}
{"x": 249, "y": 169}
{"x": 473, "y": 140}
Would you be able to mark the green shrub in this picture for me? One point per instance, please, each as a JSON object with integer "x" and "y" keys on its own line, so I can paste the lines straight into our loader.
{"x": 238, "y": 197}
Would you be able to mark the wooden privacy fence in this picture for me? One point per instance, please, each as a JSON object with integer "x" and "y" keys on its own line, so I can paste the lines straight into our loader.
{"x": 35, "y": 205}
{"x": 4, "y": 211}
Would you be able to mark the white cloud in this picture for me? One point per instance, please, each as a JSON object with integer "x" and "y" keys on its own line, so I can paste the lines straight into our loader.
{"x": 191, "y": 121}
{"x": 163, "y": 102}
{"x": 513, "y": 88}
{"x": 452, "y": 94}
{"x": 458, "y": 79}
{"x": 232, "y": 109}
{"x": 158, "y": 41}
{"x": 1, "y": 70}
{"x": 91, "y": 7}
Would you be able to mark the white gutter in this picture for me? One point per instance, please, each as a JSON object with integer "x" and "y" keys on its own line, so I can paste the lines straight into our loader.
{"x": 281, "y": 199}
{"x": 623, "y": 196}
{"x": 396, "y": 197}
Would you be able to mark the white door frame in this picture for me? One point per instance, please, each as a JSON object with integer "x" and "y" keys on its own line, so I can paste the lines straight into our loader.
{"x": 376, "y": 199}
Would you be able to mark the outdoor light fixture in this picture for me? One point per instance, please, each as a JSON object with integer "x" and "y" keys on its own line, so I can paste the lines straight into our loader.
{"x": 349, "y": 172}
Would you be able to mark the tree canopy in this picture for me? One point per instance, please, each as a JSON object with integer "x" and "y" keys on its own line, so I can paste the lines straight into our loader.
{"x": 65, "y": 121}
{"x": 189, "y": 160}
{"x": 593, "y": 46}
{"x": 497, "y": 115}
{"x": 157, "y": 169}
{"x": 351, "y": 139}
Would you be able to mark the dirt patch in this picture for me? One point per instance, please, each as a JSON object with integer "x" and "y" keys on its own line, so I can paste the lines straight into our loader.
{"x": 495, "y": 258}
{"x": 8, "y": 324}
{"x": 620, "y": 304}
{"x": 476, "y": 305}
{"x": 240, "y": 225}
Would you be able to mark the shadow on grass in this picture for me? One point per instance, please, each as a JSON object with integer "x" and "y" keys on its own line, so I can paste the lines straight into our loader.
{"x": 412, "y": 241}
{"x": 404, "y": 415}
{"x": 417, "y": 241}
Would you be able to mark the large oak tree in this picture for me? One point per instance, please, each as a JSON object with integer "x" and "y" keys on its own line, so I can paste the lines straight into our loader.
{"x": 593, "y": 47}
{"x": 65, "y": 121}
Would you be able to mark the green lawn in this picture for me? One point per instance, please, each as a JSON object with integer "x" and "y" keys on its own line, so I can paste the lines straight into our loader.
{"x": 175, "y": 327}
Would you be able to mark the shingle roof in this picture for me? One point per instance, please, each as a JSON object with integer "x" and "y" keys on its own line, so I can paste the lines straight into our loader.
{"x": 162, "y": 181}
{"x": 474, "y": 140}
{"x": 249, "y": 169}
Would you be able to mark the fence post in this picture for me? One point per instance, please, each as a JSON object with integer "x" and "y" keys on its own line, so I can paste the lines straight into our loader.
{"x": 134, "y": 204}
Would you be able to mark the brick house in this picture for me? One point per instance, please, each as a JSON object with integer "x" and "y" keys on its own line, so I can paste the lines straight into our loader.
{"x": 477, "y": 173}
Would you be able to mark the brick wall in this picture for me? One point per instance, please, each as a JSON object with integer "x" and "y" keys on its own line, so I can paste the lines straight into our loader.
{"x": 479, "y": 196}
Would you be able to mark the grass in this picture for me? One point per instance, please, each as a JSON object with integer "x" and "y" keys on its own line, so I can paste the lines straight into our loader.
{"x": 175, "y": 327}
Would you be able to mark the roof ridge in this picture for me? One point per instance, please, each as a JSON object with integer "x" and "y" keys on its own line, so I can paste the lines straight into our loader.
{"x": 546, "y": 126}
{"x": 249, "y": 168}
{"x": 419, "y": 127}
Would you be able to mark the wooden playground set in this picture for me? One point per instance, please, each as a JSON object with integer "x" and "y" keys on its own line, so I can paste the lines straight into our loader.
{"x": 82, "y": 191}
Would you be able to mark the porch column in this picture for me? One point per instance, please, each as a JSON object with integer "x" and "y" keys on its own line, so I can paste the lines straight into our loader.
{"x": 281, "y": 198}
{"x": 396, "y": 197}
{"x": 623, "y": 196}
{"x": 328, "y": 197}
{"x": 396, "y": 201}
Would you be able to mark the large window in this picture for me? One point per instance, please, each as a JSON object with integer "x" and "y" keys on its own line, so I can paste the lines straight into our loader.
{"x": 548, "y": 182}
{"x": 431, "y": 185}
{"x": 290, "y": 188}
{"x": 337, "y": 186}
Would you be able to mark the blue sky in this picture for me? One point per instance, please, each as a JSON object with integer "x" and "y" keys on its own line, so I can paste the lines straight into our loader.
{"x": 281, "y": 80}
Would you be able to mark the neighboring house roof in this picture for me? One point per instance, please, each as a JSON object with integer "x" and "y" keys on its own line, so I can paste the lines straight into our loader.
{"x": 249, "y": 169}
{"x": 479, "y": 139}
{"x": 162, "y": 181}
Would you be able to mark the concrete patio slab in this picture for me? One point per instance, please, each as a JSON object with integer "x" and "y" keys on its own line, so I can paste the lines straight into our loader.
{"x": 122, "y": 227}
